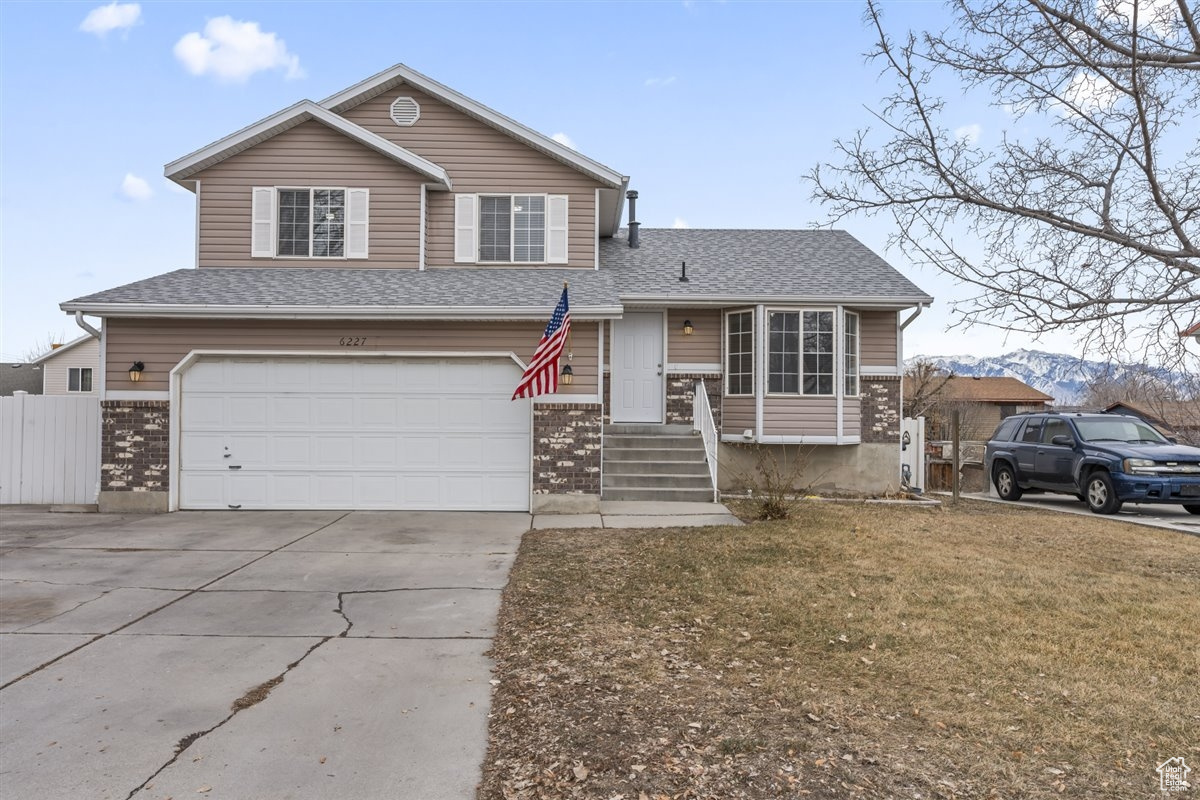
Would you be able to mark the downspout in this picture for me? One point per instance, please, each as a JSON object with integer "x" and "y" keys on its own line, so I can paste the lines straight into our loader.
{"x": 913, "y": 316}
{"x": 80, "y": 322}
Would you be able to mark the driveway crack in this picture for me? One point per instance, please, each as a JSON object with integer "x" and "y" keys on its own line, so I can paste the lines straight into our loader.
{"x": 250, "y": 698}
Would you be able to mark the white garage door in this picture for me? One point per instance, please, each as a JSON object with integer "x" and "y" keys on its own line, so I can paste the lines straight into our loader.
{"x": 385, "y": 433}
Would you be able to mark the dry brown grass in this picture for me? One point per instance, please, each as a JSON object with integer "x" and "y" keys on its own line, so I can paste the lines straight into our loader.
{"x": 974, "y": 651}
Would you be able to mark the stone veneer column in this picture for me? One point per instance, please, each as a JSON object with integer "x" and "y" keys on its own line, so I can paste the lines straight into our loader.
{"x": 566, "y": 457}
{"x": 681, "y": 392}
{"x": 134, "y": 446}
{"x": 880, "y": 409}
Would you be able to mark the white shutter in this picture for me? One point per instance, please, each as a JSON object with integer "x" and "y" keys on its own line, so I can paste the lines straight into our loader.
{"x": 262, "y": 228}
{"x": 556, "y": 229}
{"x": 357, "y": 217}
{"x": 465, "y": 225}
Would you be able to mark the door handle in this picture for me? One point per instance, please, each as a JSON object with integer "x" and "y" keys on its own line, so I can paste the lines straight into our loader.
{"x": 235, "y": 466}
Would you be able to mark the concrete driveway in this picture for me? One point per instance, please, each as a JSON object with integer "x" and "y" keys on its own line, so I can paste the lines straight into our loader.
{"x": 248, "y": 654}
{"x": 1156, "y": 515}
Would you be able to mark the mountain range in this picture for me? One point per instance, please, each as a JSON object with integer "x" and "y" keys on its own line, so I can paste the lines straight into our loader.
{"x": 1064, "y": 377}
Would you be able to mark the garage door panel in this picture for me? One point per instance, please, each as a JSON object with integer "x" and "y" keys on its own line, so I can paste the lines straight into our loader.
{"x": 333, "y": 451}
{"x": 418, "y": 433}
{"x": 378, "y": 412}
{"x": 334, "y": 412}
{"x": 247, "y": 411}
{"x": 291, "y": 411}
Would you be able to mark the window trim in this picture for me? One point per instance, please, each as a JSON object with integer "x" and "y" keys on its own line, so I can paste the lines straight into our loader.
{"x": 512, "y": 226}
{"x": 801, "y": 310}
{"x": 857, "y": 354}
{"x": 79, "y": 380}
{"x": 312, "y": 221}
{"x": 726, "y": 352}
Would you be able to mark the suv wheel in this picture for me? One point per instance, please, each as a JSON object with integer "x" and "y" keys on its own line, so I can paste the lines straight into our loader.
{"x": 1006, "y": 483}
{"x": 1101, "y": 496}
{"x": 1192, "y": 509}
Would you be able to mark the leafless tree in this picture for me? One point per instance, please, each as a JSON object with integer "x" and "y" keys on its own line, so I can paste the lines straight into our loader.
{"x": 1084, "y": 215}
{"x": 42, "y": 346}
{"x": 923, "y": 385}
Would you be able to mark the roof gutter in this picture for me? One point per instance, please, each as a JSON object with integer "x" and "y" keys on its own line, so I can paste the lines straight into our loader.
{"x": 202, "y": 311}
{"x": 913, "y": 316}
{"x": 81, "y": 323}
{"x": 677, "y": 301}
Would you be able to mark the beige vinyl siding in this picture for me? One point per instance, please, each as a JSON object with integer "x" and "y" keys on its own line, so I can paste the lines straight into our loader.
{"x": 83, "y": 355}
{"x": 481, "y": 159}
{"x": 309, "y": 155}
{"x": 800, "y": 416}
{"x": 737, "y": 415}
{"x": 161, "y": 344}
{"x": 877, "y": 338}
{"x": 852, "y": 416}
{"x": 703, "y": 346}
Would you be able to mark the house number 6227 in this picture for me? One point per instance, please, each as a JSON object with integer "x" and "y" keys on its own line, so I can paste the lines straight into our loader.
{"x": 352, "y": 341}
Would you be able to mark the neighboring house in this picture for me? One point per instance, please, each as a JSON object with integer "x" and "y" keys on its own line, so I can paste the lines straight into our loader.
{"x": 1193, "y": 332}
{"x": 374, "y": 270}
{"x": 20, "y": 377}
{"x": 73, "y": 368}
{"x": 981, "y": 402}
{"x": 1178, "y": 419}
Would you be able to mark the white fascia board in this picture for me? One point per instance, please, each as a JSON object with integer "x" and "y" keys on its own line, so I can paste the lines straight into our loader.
{"x": 678, "y": 301}
{"x": 183, "y": 168}
{"x": 200, "y": 311}
{"x": 380, "y": 83}
{"x": 58, "y": 351}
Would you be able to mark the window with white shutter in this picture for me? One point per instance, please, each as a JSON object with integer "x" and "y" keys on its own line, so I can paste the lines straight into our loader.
{"x": 357, "y": 218}
{"x": 262, "y": 234}
{"x": 510, "y": 229}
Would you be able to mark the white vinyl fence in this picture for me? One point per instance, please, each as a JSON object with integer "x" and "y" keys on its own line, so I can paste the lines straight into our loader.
{"x": 49, "y": 449}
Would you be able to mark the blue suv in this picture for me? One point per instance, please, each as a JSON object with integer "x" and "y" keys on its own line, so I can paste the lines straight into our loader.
{"x": 1103, "y": 459}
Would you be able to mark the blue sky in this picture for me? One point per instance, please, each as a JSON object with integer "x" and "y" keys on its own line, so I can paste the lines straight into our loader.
{"x": 716, "y": 110}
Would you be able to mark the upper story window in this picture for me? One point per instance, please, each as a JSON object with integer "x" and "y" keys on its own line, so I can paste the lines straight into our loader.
{"x": 79, "y": 379}
{"x": 800, "y": 352}
{"x": 313, "y": 222}
{"x": 510, "y": 229}
{"x": 739, "y": 353}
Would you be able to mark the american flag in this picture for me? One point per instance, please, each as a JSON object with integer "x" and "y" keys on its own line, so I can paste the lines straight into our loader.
{"x": 541, "y": 376}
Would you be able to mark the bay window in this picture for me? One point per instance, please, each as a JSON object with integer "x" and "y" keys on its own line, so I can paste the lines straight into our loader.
{"x": 800, "y": 352}
{"x": 850, "y": 356}
{"x": 739, "y": 353}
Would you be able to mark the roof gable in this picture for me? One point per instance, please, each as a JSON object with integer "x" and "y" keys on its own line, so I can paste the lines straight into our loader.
{"x": 58, "y": 351}
{"x": 390, "y": 78}
{"x": 304, "y": 111}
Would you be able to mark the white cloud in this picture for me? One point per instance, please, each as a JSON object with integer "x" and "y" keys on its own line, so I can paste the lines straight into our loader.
{"x": 564, "y": 140}
{"x": 136, "y": 188}
{"x": 232, "y": 50}
{"x": 680, "y": 222}
{"x": 968, "y": 133}
{"x": 1090, "y": 92}
{"x": 658, "y": 82}
{"x": 1158, "y": 16}
{"x": 104, "y": 19}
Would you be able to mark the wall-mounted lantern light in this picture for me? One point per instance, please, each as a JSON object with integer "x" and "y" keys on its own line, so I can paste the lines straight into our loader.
{"x": 687, "y": 327}
{"x": 567, "y": 375}
{"x": 135, "y": 371}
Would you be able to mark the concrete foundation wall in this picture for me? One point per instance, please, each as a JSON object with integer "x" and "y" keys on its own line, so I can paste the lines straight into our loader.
{"x": 867, "y": 468}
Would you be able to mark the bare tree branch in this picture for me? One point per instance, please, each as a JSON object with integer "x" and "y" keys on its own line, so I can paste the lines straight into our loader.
{"x": 1085, "y": 213}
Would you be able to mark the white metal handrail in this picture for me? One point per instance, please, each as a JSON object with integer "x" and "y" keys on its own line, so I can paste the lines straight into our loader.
{"x": 702, "y": 421}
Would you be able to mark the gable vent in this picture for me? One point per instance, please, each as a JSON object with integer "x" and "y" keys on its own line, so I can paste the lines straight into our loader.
{"x": 405, "y": 111}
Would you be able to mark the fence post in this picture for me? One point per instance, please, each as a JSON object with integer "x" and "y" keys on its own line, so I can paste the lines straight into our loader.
{"x": 954, "y": 480}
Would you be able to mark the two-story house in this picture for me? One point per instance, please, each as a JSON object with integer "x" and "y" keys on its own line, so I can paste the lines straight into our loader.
{"x": 374, "y": 270}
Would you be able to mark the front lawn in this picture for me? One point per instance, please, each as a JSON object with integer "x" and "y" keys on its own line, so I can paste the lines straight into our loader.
{"x": 859, "y": 650}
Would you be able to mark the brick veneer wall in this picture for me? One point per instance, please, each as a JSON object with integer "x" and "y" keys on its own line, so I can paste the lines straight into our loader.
{"x": 134, "y": 446}
{"x": 681, "y": 392}
{"x": 880, "y": 409}
{"x": 566, "y": 448}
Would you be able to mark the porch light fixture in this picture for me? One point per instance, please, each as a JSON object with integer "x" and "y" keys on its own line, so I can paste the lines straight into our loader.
{"x": 135, "y": 371}
{"x": 567, "y": 375}
{"x": 687, "y": 327}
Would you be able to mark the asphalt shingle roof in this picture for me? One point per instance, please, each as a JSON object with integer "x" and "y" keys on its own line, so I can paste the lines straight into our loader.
{"x": 383, "y": 288}
{"x": 736, "y": 266}
{"x": 753, "y": 265}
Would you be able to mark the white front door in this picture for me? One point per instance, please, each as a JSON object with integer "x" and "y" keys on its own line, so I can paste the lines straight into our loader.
{"x": 638, "y": 392}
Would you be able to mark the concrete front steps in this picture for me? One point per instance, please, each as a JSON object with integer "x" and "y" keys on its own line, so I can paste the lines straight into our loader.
{"x": 660, "y": 463}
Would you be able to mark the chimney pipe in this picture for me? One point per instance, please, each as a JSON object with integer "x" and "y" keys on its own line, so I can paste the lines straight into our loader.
{"x": 631, "y": 196}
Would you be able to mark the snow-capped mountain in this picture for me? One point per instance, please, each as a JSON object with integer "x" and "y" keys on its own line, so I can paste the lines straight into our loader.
{"x": 1063, "y": 377}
